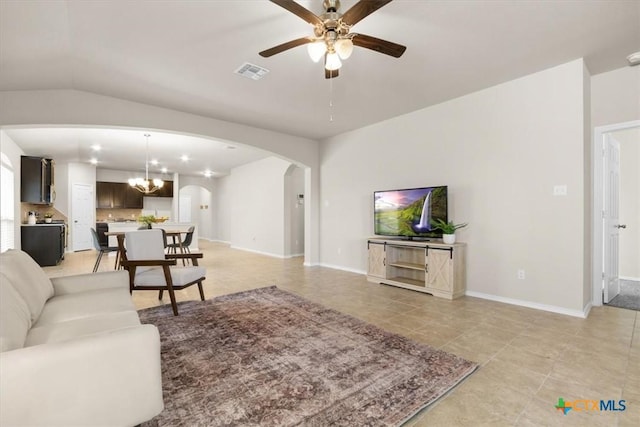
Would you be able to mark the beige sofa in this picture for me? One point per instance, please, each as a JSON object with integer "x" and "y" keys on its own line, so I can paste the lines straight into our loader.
{"x": 72, "y": 349}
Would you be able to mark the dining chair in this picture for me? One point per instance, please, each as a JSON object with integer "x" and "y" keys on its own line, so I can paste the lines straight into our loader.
{"x": 142, "y": 254}
{"x": 183, "y": 245}
{"x": 103, "y": 249}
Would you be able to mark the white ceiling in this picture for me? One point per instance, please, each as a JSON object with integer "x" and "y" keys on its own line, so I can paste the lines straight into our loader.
{"x": 182, "y": 55}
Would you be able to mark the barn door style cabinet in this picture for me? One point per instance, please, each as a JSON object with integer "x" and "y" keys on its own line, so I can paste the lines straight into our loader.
{"x": 432, "y": 267}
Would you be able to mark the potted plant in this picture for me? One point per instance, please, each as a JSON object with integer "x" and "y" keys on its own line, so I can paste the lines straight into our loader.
{"x": 448, "y": 229}
{"x": 147, "y": 219}
{"x": 48, "y": 217}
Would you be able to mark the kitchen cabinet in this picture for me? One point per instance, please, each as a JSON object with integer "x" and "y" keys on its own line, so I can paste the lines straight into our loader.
{"x": 36, "y": 180}
{"x": 165, "y": 191}
{"x": 44, "y": 243}
{"x": 110, "y": 195}
{"x": 133, "y": 199}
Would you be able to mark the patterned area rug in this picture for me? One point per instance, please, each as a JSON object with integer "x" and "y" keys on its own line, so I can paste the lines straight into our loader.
{"x": 629, "y": 296}
{"x": 266, "y": 357}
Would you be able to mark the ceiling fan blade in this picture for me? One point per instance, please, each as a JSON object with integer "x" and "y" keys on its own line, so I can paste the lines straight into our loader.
{"x": 361, "y": 10}
{"x": 330, "y": 74}
{"x": 379, "y": 45}
{"x": 285, "y": 46}
{"x": 298, "y": 10}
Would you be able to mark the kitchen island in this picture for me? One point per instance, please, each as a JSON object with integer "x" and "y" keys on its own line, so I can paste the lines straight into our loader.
{"x": 168, "y": 226}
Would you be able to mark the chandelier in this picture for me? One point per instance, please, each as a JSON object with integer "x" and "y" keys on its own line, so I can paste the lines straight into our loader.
{"x": 146, "y": 185}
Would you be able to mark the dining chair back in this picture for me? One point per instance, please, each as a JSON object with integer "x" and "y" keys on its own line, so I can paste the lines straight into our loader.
{"x": 102, "y": 249}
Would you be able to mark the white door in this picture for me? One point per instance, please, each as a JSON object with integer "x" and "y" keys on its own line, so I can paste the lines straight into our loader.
{"x": 82, "y": 214}
{"x": 611, "y": 217}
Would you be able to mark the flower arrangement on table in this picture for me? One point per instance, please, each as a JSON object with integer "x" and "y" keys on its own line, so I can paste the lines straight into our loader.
{"x": 151, "y": 219}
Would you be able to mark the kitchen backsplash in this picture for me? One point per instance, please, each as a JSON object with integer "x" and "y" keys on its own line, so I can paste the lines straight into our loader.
{"x": 111, "y": 215}
{"x": 40, "y": 210}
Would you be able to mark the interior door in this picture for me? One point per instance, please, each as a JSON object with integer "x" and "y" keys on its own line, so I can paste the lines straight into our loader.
{"x": 611, "y": 217}
{"x": 82, "y": 214}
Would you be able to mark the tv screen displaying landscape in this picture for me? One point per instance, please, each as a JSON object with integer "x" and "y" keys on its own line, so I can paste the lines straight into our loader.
{"x": 409, "y": 212}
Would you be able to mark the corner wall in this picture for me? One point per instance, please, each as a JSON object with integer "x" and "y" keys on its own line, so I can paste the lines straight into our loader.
{"x": 501, "y": 151}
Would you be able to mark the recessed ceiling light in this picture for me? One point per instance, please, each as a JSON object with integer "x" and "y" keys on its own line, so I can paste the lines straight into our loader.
{"x": 208, "y": 173}
{"x": 184, "y": 158}
{"x": 164, "y": 170}
{"x": 93, "y": 161}
{"x": 96, "y": 147}
{"x": 154, "y": 162}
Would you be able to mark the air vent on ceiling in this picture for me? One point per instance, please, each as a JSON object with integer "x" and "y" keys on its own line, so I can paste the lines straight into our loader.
{"x": 251, "y": 71}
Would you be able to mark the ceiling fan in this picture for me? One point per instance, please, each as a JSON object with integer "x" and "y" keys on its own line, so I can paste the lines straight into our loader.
{"x": 332, "y": 38}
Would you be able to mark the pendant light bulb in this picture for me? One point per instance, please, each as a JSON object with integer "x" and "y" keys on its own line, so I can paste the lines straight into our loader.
{"x": 344, "y": 48}
{"x": 316, "y": 50}
{"x": 332, "y": 62}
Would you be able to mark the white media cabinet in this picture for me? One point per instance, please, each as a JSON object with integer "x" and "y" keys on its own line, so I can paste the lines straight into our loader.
{"x": 434, "y": 267}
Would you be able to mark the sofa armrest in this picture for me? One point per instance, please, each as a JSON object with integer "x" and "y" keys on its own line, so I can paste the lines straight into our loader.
{"x": 111, "y": 378}
{"x": 88, "y": 282}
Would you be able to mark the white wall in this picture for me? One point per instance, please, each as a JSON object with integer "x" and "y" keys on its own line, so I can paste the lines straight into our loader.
{"x": 257, "y": 206}
{"x": 615, "y": 96}
{"x": 222, "y": 201}
{"x": 500, "y": 151}
{"x": 296, "y": 227}
{"x": 13, "y": 153}
{"x": 629, "y": 202}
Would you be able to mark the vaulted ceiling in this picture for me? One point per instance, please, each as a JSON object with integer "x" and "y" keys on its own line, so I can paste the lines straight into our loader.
{"x": 182, "y": 54}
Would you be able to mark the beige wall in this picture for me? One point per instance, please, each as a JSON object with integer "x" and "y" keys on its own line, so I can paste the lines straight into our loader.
{"x": 500, "y": 151}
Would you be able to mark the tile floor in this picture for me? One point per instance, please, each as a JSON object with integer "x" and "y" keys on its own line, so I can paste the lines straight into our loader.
{"x": 528, "y": 358}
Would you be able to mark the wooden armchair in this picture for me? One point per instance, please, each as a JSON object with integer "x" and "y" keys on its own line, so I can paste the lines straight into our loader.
{"x": 142, "y": 254}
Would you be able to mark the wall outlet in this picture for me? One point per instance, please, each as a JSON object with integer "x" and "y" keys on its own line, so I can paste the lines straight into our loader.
{"x": 559, "y": 190}
{"x": 521, "y": 275}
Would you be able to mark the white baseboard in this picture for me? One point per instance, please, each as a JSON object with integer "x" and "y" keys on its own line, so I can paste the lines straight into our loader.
{"x": 339, "y": 267}
{"x": 544, "y": 307}
{"x": 633, "y": 279}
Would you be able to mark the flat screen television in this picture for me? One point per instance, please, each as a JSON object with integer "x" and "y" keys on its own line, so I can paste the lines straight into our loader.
{"x": 408, "y": 213}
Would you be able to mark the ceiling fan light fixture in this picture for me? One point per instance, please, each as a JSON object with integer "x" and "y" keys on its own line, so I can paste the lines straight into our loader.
{"x": 332, "y": 62}
{"x": 344, "y": 48}
{"x": 316, "y": 50}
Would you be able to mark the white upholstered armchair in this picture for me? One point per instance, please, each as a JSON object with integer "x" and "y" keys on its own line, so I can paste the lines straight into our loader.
{"x": 142, "y": 254}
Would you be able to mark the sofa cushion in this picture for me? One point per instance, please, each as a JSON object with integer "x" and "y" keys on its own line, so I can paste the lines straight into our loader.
{"x": 28, "y": 279}
{"x": 80, "y": 305}
{"x": 62, "y": 331}
{"x": 16, "y": 318}
{"x": 179, "y": 276}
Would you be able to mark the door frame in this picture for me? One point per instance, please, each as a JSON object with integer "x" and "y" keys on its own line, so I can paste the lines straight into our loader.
{"x": 597, "y": 190}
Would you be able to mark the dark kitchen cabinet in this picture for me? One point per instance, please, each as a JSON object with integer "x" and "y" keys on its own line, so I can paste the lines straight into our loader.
{"x": 132, "y": 198}
{"x": 110, "y": 195}
{"x": 165, "y": 191}
{"x": 36, "y": 180}
{"x": 45, "y": 243}
{"x": 117, "y": 195}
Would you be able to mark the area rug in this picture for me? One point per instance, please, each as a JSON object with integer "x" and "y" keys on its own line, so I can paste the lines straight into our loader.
{"x": 629, "y": 296}
{"x": 267, "y": 357}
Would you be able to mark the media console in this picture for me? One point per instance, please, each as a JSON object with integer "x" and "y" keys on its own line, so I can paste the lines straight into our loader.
{"x": 435, "y": 268}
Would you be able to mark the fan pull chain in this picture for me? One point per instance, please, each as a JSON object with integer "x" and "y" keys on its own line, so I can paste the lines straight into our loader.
{"x": 330, "y": 100}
